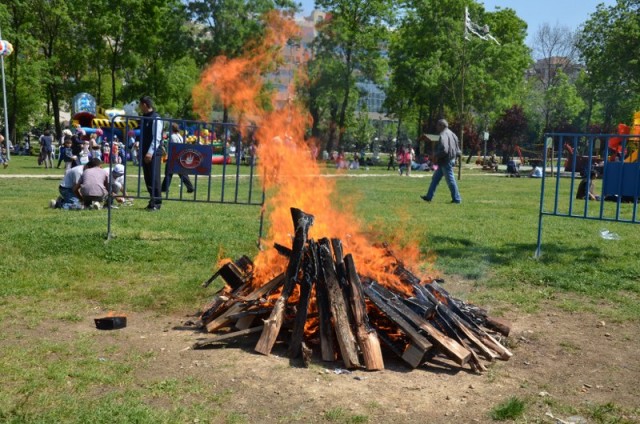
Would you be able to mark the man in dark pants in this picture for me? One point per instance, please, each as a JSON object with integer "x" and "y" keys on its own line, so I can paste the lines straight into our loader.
{"x": 151, "y": 138}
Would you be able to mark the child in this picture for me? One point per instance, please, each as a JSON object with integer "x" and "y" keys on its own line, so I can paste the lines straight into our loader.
{"x": 84, "y": 153}
{"x": 66, "y": 154}
{"x": 582, "y": 188}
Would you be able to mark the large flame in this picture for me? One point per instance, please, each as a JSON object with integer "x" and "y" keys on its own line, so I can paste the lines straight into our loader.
{"x": 292, "y": 177}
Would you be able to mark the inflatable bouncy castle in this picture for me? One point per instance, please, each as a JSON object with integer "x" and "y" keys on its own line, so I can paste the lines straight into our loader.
{"x": 86, "y": 114}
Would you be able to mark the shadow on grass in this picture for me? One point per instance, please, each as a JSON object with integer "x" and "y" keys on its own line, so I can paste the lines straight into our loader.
{"x": 473, "y": 260}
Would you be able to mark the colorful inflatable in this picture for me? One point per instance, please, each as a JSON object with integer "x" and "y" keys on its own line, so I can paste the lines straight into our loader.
{"x": 6, "y": 48}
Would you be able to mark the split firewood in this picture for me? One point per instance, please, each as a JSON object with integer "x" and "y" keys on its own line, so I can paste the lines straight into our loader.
{"x": 302, "y": 223}
{"x": 339, "y": 307}
{"x": 366, "y": 336}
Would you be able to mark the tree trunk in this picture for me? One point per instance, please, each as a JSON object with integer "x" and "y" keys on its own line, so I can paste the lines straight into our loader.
{"x": 345, "y": 99}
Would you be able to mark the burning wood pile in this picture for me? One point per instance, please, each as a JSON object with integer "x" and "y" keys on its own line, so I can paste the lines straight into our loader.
{"x": 321, "y": 300}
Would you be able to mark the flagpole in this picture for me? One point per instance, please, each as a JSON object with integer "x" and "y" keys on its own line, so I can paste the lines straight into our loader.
{"x": 4, "y": 97}
{"x": 464, "y": 44}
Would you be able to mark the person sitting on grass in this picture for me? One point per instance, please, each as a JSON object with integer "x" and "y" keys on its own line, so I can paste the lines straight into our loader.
{"x": 92, "y": 187}
{"x": 582, "y": 188}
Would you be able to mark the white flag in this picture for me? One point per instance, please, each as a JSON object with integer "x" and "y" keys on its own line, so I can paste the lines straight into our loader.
{"x": 477, "y": 30}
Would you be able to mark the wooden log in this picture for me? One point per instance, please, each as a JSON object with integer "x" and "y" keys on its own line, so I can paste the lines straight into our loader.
{"x": 302, "y": 222}
{"x": 234, "y": 273}
{"x": 471, "y": 314}
{"x": 446, "y": 314}
{"x": 339, "y": 307}
{"x": 213, "y": 340}
{"x": 459, "y": 315}
{"x": 407, "y": 328}
{"x": 338, "y": 254}
{"x": 327, "y": 346}
{"x": 474, "y": 360}
{"x": 366, "y": 336}
{"x": 309, "y": 276}
{"x": 413, "y": 355}
{"x": 238, "y": 306}
{"x": 449, "y": 347}
{"x": 500, "y": 325}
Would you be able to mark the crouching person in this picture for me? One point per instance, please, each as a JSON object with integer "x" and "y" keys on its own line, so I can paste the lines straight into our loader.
{"x": 117, "y": 186}
{"x": 93, "y": 184}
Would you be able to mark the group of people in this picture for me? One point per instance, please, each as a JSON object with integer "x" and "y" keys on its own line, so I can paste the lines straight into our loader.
{"x": 88, "y": 185}
{"x": 76, "y": 148}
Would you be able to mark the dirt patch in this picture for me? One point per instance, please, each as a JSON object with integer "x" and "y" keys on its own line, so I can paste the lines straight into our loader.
{"x": 561, "y": 361}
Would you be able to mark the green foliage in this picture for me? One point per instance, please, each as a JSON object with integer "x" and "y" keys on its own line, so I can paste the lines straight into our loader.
{"x": 609, "y": 44}
{"x": 428, "y": 54}
{"x": 354, "y": 37}
{"x": 563, "y": 102}
{"x": 508, "y": 410}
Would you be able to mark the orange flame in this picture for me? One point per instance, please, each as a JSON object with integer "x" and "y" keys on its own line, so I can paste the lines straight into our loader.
{"x": 292, "y": 177}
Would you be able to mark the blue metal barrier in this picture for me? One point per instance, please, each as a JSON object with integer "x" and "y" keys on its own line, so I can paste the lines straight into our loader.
{"x": 232, "y": 178}
{"x": 612, "y": 157}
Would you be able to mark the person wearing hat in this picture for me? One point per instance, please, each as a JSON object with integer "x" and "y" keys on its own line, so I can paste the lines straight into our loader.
{"x": 151, "y": 139}
{"x": 447, "y": 150}
{"x": 117, "y": 183}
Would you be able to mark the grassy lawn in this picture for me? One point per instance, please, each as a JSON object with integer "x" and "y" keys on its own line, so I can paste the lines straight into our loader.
{"x": 56, "y": 265}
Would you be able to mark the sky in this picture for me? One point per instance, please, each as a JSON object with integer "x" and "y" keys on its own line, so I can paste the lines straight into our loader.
{"x": 569, "y": 13}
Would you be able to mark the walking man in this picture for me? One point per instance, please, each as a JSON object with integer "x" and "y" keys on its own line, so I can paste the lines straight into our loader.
{"x": 447, "y": 150}
{"x": 151, "y": 139}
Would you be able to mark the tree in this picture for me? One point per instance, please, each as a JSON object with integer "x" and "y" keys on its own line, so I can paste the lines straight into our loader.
{"x": 555, "y": 52}
{"x": 609, "y": 44}
{"x": 52, "y": 28}
{"x": 24, "y": 89}
{"x": 429, "y": 55}
{"x": 226, "y": 27}
{"x": 354, "y": 32}
{"x": 562, "y": 102}
{"x": 510, "y": 129}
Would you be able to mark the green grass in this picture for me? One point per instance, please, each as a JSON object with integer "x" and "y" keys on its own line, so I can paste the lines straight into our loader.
{"x": 59, "y": 262}
{"x": 508, "y": 410}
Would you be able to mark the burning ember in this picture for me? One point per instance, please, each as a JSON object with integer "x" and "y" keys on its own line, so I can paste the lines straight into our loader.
{"x": 311, "y": 292}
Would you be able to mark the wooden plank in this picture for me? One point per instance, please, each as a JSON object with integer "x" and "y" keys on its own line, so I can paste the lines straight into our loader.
{"x": 456, "y": 323}
{"x": 327, "y": 346}
{"x": 406, "y": 327}
{"x": 309, "y": 276}
{"x": 449, "y": 347}
{"x": 213, "y": 340}
{"x": 413, "y": 355}
{"x": 339, "y": 307}
{"x": 238, "y": 306}
{"x": 302, "y": 222}
{"x": 366, "y": 336}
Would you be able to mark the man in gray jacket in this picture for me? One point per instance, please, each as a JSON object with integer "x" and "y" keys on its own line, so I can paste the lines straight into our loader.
{"x": 447, "y": 150}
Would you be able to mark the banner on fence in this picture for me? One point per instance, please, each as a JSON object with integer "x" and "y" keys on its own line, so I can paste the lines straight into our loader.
{"x": 191, "y": 159}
